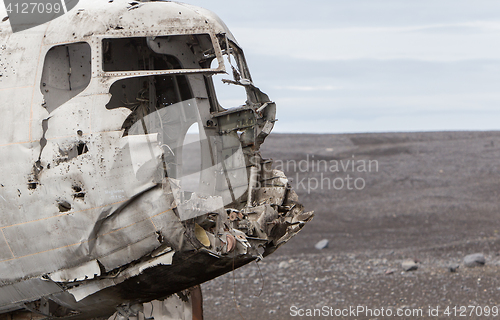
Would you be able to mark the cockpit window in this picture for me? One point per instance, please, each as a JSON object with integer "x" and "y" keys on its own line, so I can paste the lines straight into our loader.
{"x": 231, "y": 88}
{"x": 148, "y": 94}
{"x": 66, "y": 73}
{"x": 158, "y": 53}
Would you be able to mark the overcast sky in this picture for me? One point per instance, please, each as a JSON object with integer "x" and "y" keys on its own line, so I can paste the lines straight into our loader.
{"x": 372, "y": 65}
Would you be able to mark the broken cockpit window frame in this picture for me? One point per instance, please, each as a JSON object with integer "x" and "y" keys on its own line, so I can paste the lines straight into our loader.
{"x": 252, "y": 119}
{"x": 234, "y": 90}
{"x": 226, "y": 95}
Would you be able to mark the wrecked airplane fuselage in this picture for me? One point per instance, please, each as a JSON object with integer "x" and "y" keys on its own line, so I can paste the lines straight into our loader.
{"x": 106, "y": 199}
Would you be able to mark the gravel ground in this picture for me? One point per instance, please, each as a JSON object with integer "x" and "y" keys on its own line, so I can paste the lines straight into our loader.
{"x": 433, "y": 198}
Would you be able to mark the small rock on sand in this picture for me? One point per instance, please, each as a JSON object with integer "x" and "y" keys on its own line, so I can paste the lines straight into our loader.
{"x": 409, "y": 265}
{"x": 474, "y": 260}
{"x": 322, "y": 244}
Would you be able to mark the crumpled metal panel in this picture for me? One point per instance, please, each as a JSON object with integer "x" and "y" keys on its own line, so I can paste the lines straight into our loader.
{"x": 78, "y": 273}
{"x": 27, "y": 290}
{"x": 95, "y": 230}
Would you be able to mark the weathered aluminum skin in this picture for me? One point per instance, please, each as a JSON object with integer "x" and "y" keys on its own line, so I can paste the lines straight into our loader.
{"x": 92, "y": 215}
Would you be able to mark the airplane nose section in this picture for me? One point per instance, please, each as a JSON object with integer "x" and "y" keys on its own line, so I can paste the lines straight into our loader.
{"x": 232, "y": 192}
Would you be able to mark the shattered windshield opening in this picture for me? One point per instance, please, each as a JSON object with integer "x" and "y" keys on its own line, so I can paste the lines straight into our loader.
{"x": 143, "y": 53}
{"x": 145, "y": 95}
{"x": 228, "y": 95}
{"x": 233, "y": 88}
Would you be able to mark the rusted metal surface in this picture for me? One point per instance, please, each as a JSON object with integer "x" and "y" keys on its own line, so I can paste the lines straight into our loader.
{"x": 96, "y": 215}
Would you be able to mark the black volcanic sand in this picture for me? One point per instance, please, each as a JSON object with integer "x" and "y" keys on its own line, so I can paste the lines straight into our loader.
{"x": 434, "y": 198}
